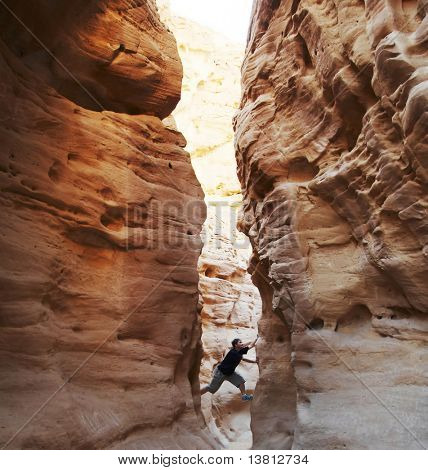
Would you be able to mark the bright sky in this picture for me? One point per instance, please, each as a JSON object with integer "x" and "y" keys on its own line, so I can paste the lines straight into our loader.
{"x": 229, "y": 17}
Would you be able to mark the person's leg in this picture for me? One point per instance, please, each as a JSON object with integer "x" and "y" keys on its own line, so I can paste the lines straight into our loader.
{"x": 217, "y": 380}
{"x": 239, "y": 382}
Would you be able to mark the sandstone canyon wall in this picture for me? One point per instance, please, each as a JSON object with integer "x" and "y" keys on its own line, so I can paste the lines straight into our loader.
{"x": 332, "y": 142}
{"x": 99, "y": 336}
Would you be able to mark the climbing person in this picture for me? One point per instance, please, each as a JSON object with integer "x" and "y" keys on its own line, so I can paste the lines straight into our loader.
{"x": 226, "y": 369}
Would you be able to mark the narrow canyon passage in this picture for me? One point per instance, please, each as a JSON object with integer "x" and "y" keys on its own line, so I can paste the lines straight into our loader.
{"x": 230, "y": 304}
{"x": 165, "y": 189}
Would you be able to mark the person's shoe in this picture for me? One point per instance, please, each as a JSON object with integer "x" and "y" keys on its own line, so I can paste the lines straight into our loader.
{"x": 246, "y": 397}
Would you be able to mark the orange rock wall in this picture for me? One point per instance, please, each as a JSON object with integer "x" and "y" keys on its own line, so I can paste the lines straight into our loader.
{"x": 101, "y": 54}
{"x": 101, "y": 215}
{"x": 331, "y": 143}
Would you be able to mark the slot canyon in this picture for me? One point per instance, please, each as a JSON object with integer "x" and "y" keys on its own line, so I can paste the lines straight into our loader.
{"x": 165, "y": 190}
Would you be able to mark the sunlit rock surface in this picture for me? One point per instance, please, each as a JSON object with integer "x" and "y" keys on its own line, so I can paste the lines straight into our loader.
{"x": 332, "y": 145}
{"x": 210, "y": 98}
{"x": 99, "y": 334}
{"x": 230, "y": 308}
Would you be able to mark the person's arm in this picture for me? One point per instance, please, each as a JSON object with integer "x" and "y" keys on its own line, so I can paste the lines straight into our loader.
{"x": 252, "y": 344}
{"x": 250, "y": 360}
{"x": 221, "y": 360}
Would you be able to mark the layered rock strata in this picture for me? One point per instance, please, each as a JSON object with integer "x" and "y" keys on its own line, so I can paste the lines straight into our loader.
{"x": 331, "y": 144}
{"x": 101, "y": 215}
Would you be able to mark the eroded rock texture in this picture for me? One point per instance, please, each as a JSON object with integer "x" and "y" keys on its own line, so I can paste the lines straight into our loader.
{"x": 332, "y": 155}
{"x": 230, "y": 308}
{"x": 210, "y": 98}
{"x": 101, "y": 54}
{"x": 99, "y": 333}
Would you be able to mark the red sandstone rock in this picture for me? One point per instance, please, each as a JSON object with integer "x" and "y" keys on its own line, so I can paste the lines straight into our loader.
{"x": 101, "y": 54}
{"x": 99, "y": 333}
{"x": 331, "y": 147}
